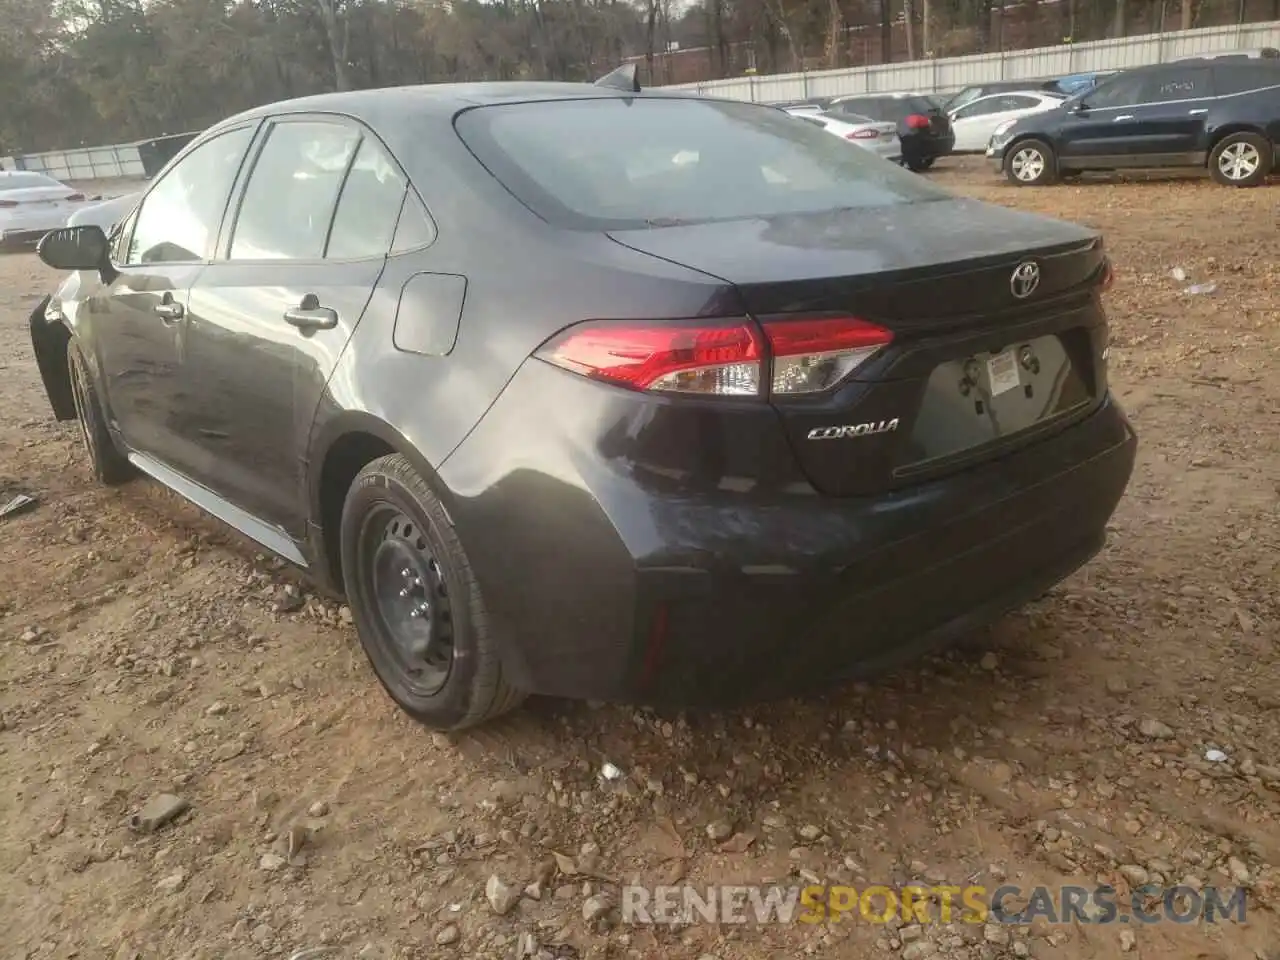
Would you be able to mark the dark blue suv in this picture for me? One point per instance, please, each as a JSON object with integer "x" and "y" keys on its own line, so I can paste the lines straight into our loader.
{"x": 1223, "y": 114}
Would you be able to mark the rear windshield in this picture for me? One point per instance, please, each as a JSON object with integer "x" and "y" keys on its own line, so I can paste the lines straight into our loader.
{"x": 25, "y": 181}
{"x": 889, "y": 108}
{"x": 618, "y": 163}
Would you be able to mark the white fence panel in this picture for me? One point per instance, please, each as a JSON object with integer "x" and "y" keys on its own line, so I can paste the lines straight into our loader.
{"x": 952, "y": 73}
{"x": 94, "y": 163}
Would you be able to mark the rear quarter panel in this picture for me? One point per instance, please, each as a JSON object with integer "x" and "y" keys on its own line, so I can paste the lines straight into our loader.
{"x": 525, "y": 281}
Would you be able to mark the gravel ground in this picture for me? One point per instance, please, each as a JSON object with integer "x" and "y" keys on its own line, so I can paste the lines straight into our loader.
{"x": 145, "y": 649}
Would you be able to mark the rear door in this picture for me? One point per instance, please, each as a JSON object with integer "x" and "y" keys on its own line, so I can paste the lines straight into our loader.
{"x": 270, "y": 317}
{"x": 1170, "y": 120}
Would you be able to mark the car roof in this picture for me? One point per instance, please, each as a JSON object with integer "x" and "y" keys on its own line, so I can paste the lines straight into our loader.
{"x": 899, "y": 95}
{"x": 439, "y": 98}
{"x": 1216, "y": 62}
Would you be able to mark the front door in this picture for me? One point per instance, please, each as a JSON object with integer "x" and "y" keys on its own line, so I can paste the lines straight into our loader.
{"x": 271, "y": 316}
{"x": 140, "y": 318}
{"x": 1171, "y": 117}
{"x": 1103, "y": 124}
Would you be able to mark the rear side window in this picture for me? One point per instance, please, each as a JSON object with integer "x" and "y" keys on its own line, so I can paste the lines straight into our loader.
{"x": 1178, "y": 85}
{"x": 1240, "y": 79}
{"x": 416, "y": 228}
{"x": 369, "y": 206}
{"x": 873, "y": 107}
{"x": 615, "y": 163}
{"x": 288, "y": 204}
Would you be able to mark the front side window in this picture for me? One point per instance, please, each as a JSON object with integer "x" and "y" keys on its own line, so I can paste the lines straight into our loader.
{"x": 965, "y": 97}
{"x": 617, "y": 163}
{"x": 289, "y": 201}
{"x": 179, "y": 218}
{"x": 1123, "y": 91}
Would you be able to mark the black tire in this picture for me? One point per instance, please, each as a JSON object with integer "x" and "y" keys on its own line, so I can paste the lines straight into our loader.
{"x": 919, "y": 164}
{"x": 1241, "y": 160}
{"x": 428, "y": 641}
{"x": 108, "y": 464}
{"x": 1031, "y": 163}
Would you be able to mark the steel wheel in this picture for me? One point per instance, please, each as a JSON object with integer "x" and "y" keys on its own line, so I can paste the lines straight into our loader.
{"x": 1239, "y": 161}
{"x": 410, "y": 601}
{"x": 417, "y": 607}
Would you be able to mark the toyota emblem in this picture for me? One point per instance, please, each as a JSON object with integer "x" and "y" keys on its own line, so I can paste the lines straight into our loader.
{"x": 1025, "y": 279}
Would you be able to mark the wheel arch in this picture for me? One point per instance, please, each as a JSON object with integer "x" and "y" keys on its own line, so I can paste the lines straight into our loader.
{"x": 344, "y": 446}
{"x": 1229, "y": 129}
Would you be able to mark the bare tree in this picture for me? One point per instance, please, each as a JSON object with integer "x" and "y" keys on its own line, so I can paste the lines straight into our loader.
{"x": 337, "y": 29}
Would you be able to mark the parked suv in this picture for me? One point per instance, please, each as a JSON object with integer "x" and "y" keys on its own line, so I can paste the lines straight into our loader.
{"x": 923, "y": 126}
{"x": 1221, "y": 113}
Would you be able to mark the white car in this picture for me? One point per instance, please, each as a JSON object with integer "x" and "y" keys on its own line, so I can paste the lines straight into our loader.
{"x": 32, "y": 204}
{"x": 878, "y": 137}
{"x": 976, "y": 121}
{"x": 105, "y": 214}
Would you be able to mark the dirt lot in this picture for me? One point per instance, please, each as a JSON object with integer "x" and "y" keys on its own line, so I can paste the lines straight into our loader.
{"x": 144, "y": 649}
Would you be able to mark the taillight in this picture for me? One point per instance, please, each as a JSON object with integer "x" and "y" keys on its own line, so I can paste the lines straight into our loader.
{"x": 863, "y": 135}
{"x": 918, "y": 121}
{"x": 8, "y": 204}
{"x": 76, "y": 196}
{"x": 718, "y": 357}
{"x": 814, "y": 354}
{"x": 723, "y": 358}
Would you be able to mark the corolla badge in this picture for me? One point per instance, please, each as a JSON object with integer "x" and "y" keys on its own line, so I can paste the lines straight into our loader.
{"x": 854, "y": 430}
{"x": 1025, "y": 279}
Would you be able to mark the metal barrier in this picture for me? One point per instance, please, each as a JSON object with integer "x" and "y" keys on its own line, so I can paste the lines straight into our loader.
{"x": 952, "y": 73}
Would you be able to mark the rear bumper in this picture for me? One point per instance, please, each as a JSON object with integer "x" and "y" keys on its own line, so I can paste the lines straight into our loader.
{"x": 925, "y": 147}
{"x": 604, "y": 587}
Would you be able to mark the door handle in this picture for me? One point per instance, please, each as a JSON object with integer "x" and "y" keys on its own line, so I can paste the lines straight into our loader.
{"x": 309, "y": 316}
{"x": 1196, "y": 113}
{"x": 169, "y": 309}
{"x": 1126, "y": 116}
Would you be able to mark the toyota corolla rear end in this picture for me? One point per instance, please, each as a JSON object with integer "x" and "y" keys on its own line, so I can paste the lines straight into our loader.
{"x": 890, "y": 424}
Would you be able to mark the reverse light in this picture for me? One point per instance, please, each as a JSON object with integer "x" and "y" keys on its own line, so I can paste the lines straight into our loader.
{"x": 918, "y": 121}
{"x": 863, "y": 135}
{"x": 814, "y": 354}
{"x": 725, "y": 358}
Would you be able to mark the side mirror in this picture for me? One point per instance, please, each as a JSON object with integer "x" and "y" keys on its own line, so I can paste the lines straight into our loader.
{"x": 1077, "y": 106}
{"x": 75, "y": 248}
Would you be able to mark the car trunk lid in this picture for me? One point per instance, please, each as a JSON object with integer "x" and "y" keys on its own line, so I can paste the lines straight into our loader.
{"x": 974, "y": 368}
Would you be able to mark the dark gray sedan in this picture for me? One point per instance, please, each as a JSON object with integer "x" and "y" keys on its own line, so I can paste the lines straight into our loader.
{"x": 588, "y": 391}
